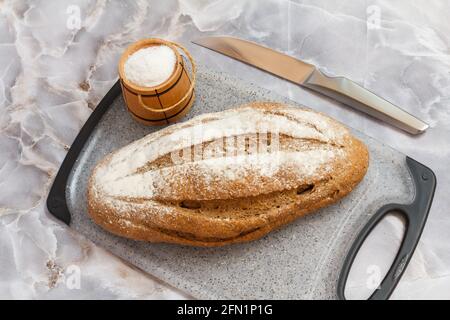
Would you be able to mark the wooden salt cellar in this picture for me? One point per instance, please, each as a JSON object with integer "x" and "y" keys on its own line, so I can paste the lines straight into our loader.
{"x": 166, "y": 102}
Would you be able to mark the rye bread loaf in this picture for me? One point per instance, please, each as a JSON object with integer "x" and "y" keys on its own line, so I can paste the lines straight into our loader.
{"x": 226, "y": 177}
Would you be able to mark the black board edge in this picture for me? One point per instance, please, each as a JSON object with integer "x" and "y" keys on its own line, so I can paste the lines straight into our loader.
{"x": 56, "y": 200}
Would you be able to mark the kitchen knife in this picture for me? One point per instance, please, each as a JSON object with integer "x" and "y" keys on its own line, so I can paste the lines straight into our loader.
{"x": 307, "y": 75}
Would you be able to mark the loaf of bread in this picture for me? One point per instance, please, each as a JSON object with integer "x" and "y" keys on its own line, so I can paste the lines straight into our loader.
{"x": 226, "y": 177}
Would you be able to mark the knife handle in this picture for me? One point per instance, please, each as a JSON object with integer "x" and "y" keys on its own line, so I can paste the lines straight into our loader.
{"x": 352, "y": 94}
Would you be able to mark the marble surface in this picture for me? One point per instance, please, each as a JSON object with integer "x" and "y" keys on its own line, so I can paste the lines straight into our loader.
{"x": 58, "y": 58}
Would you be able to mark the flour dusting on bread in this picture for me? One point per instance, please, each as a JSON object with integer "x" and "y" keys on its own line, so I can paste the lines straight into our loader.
{"x": 246, "y": 165}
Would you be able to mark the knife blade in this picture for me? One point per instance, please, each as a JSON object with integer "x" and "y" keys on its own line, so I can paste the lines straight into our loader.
{"x": 339, "y": 88}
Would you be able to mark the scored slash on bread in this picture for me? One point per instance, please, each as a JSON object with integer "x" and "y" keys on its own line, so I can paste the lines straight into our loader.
{"x": 226, "y": 177}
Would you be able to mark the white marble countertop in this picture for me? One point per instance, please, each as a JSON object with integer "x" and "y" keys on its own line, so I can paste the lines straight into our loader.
{"x": 58, "y": 59}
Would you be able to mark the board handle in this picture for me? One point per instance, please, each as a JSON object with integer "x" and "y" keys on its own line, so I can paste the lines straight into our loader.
{"x": 56, "y": 200}
{"x": 415, "y": 215}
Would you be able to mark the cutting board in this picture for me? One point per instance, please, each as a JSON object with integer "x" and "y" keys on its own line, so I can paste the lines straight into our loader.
{"x": 308, "y": 259}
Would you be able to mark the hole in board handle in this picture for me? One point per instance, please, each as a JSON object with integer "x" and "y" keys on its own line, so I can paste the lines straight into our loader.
{"x": 375, "y": 257}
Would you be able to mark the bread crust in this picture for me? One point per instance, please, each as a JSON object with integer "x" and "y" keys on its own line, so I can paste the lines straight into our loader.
{"x": 191, "y": 205}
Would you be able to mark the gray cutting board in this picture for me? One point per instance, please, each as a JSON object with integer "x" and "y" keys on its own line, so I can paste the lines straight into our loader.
{"x": 299, "y": 261}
